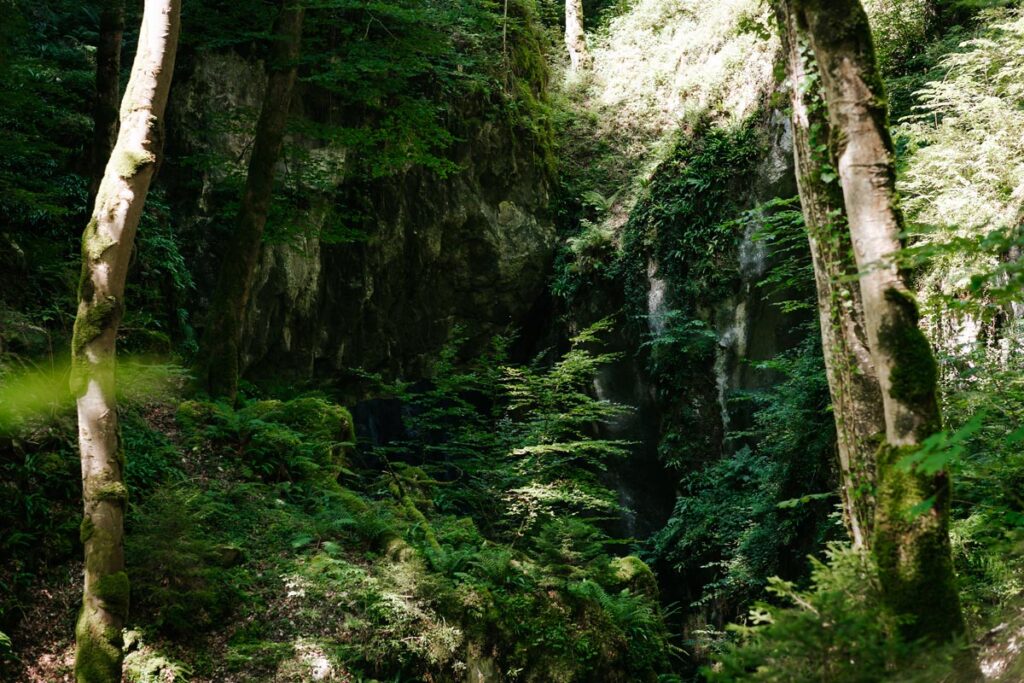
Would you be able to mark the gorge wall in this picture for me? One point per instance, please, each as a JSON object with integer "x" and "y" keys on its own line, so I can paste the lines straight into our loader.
{"x": 471, "y": 249}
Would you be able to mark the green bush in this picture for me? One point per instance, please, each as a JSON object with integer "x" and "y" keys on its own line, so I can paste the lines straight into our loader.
{"x": 832, "y": 631}
{"x": 177, "y": 569}
{"x": 295, "y": 441}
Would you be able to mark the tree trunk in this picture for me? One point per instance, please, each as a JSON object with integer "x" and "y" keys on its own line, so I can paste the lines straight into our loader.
{"x": 106, "y": 250}
{"x": 575, "y": 38}
{"x": 222, "y": 338}
{"x": 912, "y": 550}
{"x": 108, "y": 91}
{"x": 853, "y": 382}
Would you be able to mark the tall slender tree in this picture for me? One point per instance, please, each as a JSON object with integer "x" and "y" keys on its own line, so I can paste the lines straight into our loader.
{"x": 106, "y": 249}
{"x": 853, "y": 382}
{"x": 108, "y": 92}
{"x": 912, "y": 550}
{"x": 575, "y": 37}
{"x": 220, "y": 352}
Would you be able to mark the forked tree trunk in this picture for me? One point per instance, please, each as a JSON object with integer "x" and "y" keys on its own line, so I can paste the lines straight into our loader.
{"x": 912, "y": 550}
{"x": 220, "y": 361}
{"x": 106, "y": 249}
{"x": 853, "y": 382}
{"x": 108, "y": 92}
{"x": 575, "y": 38}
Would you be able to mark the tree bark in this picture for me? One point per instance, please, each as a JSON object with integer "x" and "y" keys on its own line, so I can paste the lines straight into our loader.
{"x": 220, "y": 363}
{"x": 108, "y": 92}
{"x": 575, "y": 38}
{"x": 853, "y": 382}
{"x": 106, "y": 250}
{"x": 912, "y": 550}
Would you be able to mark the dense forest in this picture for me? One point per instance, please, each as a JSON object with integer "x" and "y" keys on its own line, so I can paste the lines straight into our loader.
{"x": 511, "y": 341}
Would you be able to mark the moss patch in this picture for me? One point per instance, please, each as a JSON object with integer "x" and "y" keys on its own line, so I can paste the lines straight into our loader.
{"x": 911, "y": 548}
{"x": 113, "y": 590}
{"x": 915, "y": 373}
{"x": 128, "y": 162}
{"x": 112, "y": 491}
{"x": 98, "y": 652}
{"x": 86, "y": 529}
{"x": 93, "y": 318}
{"x": 94, "y": 243}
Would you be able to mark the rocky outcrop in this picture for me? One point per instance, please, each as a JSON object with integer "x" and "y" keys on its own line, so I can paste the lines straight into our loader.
{"x": 472, "y": 250}
{"x": 751, "y": 326}
{"x": 469, "y": 250}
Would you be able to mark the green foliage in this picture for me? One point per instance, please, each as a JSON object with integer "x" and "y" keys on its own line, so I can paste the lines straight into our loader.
{"x": 392, "y": 71}
{"x": 515, "y": 448}
{"x": 755, "y": 494}
{"x": 47, "y": 78}
{"x": 172, "y": 560}
{"x": 157, "y": 320}
{"x": 295, "y": 441}
{"x": 586, "y": 257}
{"x": 687, "y": 225}
{"x": 143, "y": 664}
{"x": 6, "y": 650}
{"x": 521, "y": 435}
{"x": 837, "y": 629}
{"x": 40, "y": 473}
{"x": 684, "y": 222}
{"x": 734, "y": 523}
{"x": 40, "y": 482}
{"x": 833, "y": 630}
{"x": 778, "y": 224}
{"x": 958, "y": 185}
{"x": 45, "y": 114}
{"x": 900, "y": 31}
{"x": 984, "y": 411}
{"x": 150, "y": 457}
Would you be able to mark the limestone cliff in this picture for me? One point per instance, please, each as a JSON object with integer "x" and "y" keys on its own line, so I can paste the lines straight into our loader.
{"x": 471, "y": 249}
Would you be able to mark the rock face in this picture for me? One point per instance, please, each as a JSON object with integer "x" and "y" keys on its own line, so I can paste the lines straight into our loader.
{"x": 750, "y": 325}
{"x": 471, "y": 250}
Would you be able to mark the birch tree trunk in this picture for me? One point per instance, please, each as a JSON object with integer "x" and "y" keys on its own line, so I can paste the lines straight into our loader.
{"x": 220, "y": 364}
{"x": 853, "y": 382}
{"x": 108, "y": 90}
{"x": 106, "y": 249}
{"x": 575, "y": 38}
{"x": 912, "y": 550}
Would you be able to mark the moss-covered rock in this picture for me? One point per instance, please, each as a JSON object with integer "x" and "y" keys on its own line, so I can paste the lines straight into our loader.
{"x": 632, "y": 573}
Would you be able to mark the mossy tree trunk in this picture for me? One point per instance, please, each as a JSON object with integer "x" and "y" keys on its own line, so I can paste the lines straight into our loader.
{"x": 108, "y": 92}
{"x": 912, "y": 549}
{"x": 853, "y": 382}
{"x": 220, "y": 352}
{"x": 106, "y": 250}
{"x": 575, "y": 37}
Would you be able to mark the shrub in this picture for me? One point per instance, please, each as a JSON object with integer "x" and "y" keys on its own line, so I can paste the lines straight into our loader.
{"x": 175, "y": 564}
{"x": 832, "y": 631}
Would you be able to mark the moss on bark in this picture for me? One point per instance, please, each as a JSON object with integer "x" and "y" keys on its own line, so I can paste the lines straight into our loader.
{"x": 99, "y": 652}
{"x": 914, "y": 376}
{"x": 112, "y": 491}
{"x": 86, "y": 529}
{"x": 113, "y": 590}
{"x": 912, "y": 550}
{"x": 93, "y": 318}
{"x": 128, "y": 162}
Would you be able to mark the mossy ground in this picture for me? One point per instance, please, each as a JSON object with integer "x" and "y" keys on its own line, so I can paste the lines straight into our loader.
{"x": 257, "y": 551}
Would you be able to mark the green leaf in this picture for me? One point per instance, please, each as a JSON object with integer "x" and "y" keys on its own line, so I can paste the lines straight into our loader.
{"x": 302, "y": 541}
{"x": 803, "y": 500}
{"x": 1015, "y": 436}
{"x": 920, "y": 509}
